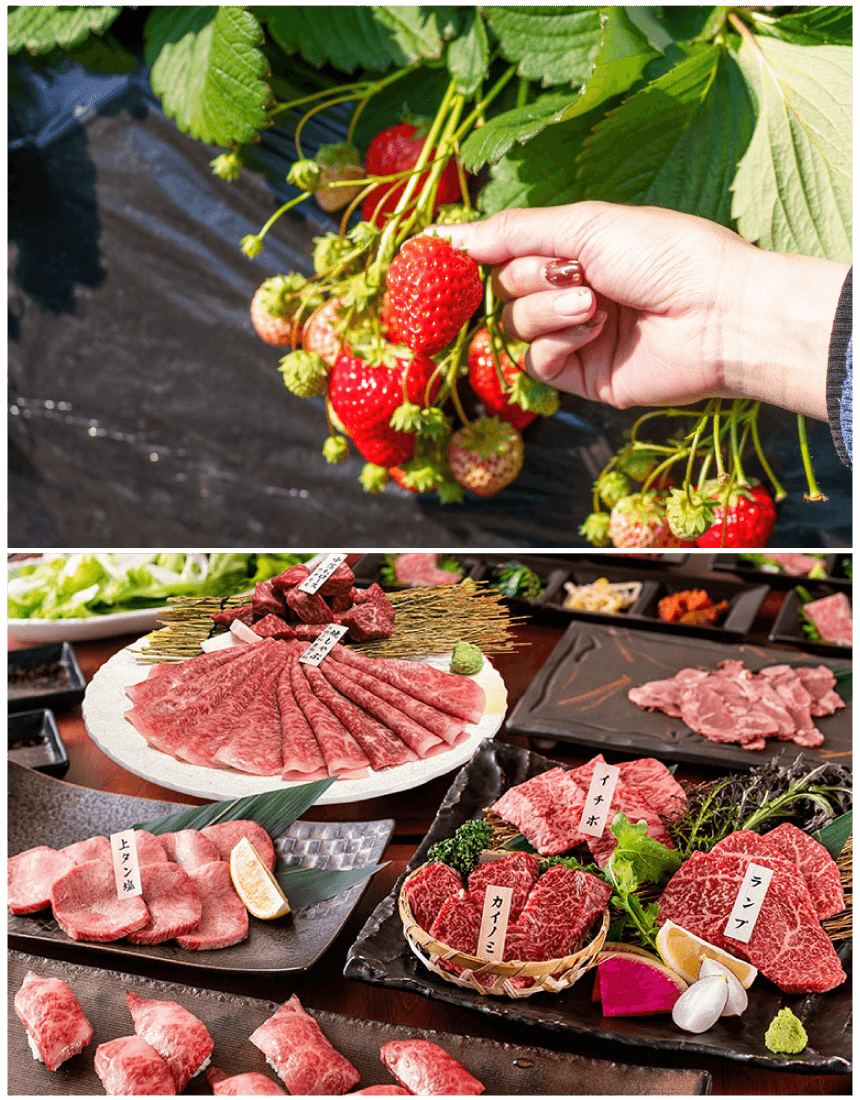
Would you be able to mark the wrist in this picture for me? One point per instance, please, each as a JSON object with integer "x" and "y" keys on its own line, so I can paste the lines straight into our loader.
{"x": 777, "y": 335}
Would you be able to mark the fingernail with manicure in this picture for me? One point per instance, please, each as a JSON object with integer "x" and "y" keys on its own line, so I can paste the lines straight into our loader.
{"x": 573, "y": 302}
{"x": 563, "y": 272}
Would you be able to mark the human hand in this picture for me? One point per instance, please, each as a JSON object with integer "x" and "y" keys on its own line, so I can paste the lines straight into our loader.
{"x": 679, "y": 308}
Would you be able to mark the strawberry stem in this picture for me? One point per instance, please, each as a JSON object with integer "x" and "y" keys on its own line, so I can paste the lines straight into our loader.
{"x": 718, "y": 449}
{"x": 694, "y": 446}
{"x": 481, "y": 106}
{"x": 778, "y": 491}
{"x": 736, "y": 449}
{"x": 282, "y": 210}
{"x": 814, "y": 492}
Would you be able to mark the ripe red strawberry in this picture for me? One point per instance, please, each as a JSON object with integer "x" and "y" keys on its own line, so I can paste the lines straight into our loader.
{"x": 397, "y": 150}
{"x": 639, "y": 520}
{"x": 434, "y": 289}
{"x": 484, "y": 380}
{"x": 273, "y": 310}
{"x": 486, "y": 455}
{"x": 319, "y": 333}
{"x": 383, "y": 445}
{"x": 388, "y": 321}
{"x": 751, "y": 518}
{"x": 364, "y": 396}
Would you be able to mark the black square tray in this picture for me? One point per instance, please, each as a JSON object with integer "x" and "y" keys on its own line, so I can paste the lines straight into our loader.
{"x": 60, "y": 691}
{"x": 788, "y": 628}
{"x": 35, "y": 742}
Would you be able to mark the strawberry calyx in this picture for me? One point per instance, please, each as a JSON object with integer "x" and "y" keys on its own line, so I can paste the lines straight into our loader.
{"x": 305, "y": 373}
{"x": 611, "y": 487}
{"x": 280, "y": 296}
{"x": 689, "y": 513}
{"x": 487, "y": 437}
{"x": 304, "y": 174}
{"x": 338, "y": 155}
{"x": 595, "y": 528}
{"x": 335, "y": 449}
{"x": 373, "y": 477}
{"x": 534, "y": 396}
{"x": 227, "y": 166}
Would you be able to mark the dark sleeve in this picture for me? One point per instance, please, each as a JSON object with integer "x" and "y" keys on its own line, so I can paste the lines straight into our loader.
{"x": 839, "y": 375}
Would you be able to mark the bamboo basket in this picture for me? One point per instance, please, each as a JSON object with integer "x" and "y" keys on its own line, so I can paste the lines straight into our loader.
{"x": 497, "y": 978}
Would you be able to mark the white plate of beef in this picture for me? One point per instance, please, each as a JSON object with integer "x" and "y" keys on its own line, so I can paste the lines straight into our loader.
{"x": 581, "y": 694}
{"x": 42, "y": 810}
{"x": 382, "y": 956}
{"x": 504, "y": 1068}
{"x": 106, "y": 702}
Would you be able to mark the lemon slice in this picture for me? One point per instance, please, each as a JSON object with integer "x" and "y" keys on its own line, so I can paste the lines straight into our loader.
{"x": 683, "y": 952}
{"x": 255, "y": 884}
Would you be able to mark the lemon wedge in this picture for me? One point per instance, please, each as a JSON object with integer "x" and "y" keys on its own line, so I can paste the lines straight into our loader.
{"x": 255, "y": 884}
{"x": 683, "y": 952}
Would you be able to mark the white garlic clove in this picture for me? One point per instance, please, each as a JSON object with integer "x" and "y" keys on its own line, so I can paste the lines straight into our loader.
{"x": 737, "y": 1000}
{"x": 699, "y": 1007}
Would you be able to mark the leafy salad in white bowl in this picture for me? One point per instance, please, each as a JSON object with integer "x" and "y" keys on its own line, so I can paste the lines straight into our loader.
{"x": 80, "y": 596}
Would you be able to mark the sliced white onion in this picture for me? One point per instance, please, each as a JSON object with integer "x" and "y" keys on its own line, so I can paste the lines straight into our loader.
{"x": 737, "y": 1000}
{"x": 244, "y": 633}
{"x": 699, "y": 1007}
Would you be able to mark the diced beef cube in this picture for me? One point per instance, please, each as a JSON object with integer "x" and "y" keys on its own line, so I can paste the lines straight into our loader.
{"x": 268, "y": 599}
{"x": 291, "y": 577}
{"x": 243, "y": 614}
{"x": 310, "y": 607}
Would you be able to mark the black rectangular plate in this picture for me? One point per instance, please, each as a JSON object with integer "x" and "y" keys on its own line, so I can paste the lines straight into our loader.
{"x": 744, "y": 601}
{"x": 35, "y": 742}
{"x": 64, "y": 696}
{"x": 381, "y": 956}
{"x": 505, "y": 1069}
{"x": 832, "y": 565}
{"x": 788, "y": 628}
{"x": 47, "y": 811}
{"x": 580, "y": 695}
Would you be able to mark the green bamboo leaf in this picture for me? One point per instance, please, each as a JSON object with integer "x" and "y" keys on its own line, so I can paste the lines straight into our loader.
{"x": 835, "y": 835}
{"x": 39, "y": 30}
{"x": 793, "y": 188}
{"x": 556, "y": 45}
{"x": 274, "y": 811}
{"x": 310, "y": 885}
{"x": 209, "y": 71}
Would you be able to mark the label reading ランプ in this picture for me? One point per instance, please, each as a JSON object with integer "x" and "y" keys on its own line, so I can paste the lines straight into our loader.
{"x": 745, "y": 912}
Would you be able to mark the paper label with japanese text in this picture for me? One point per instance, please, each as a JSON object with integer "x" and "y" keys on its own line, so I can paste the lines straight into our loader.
{"x": 748, "y": 903}
{"x": 323, "y": 645}
{"x": 125, "y": 866}
{"x": 494, "y": 923}
{"x": 322, "y": 573}
{"x": 599, "y": 799}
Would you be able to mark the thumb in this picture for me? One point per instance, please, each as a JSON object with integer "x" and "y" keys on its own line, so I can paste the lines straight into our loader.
{"x": 548, "y": 231}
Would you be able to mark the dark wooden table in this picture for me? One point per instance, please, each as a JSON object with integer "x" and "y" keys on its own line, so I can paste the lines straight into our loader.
{"x": 324, "y": 986}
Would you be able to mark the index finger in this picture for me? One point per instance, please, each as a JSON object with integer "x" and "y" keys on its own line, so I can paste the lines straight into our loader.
{"x": 548, "y": 231}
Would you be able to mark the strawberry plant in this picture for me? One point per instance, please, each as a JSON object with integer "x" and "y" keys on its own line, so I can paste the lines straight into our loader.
{"x": 721, "y": 112}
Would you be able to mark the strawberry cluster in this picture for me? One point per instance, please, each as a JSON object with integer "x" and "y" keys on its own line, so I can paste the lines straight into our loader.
{"x": 390, "y": 329}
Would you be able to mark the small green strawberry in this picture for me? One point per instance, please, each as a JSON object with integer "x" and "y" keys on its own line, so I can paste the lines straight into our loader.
{"x": 639, "y": 521}
{"x": 320, "y": 333}
{"x": 338, "y": 162}
{"x": 689, "y": 515}
{"x": 304, "y": 174}
{"x": 227, "y": 166}
{"x": 612, "y": 487}
{"x": 335, "y": 448}
{"x": 596, "y": 528}
{"x": 305, "y": 374}
{"x": 433, "y": 291}
{"x": 486, "y": 455}
{"x": 274, "y": 307}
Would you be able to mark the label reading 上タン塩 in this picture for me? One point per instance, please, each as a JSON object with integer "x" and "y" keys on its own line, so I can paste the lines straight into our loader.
{"x": 125, "y": 864}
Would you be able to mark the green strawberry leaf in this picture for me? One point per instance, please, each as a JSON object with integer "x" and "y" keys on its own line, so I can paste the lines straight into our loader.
{"x": 489, "y": 143}
{"x": 556, "y": 45}
{"x": 39, "y": 30}
{"x": 468, "y": 54}
{"x": 827, "y": 26}
{"x": 359, "y": 37}
{"x": 792, "y": 191}
{"x": 103, "y": 55}
{"x": 209, "y": 71}
{"x": 624, "y": 52}
{"x": 676, "y": 142}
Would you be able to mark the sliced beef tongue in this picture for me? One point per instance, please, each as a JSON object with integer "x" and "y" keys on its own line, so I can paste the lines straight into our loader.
{"x": 172, "y": 900}
{"x": 86, "y": 906}
{"x": 665, "y": 695}
{"x": 821, "y": 684}
{"x": 31, "y": 875}
{"x": 225, "y": 918}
